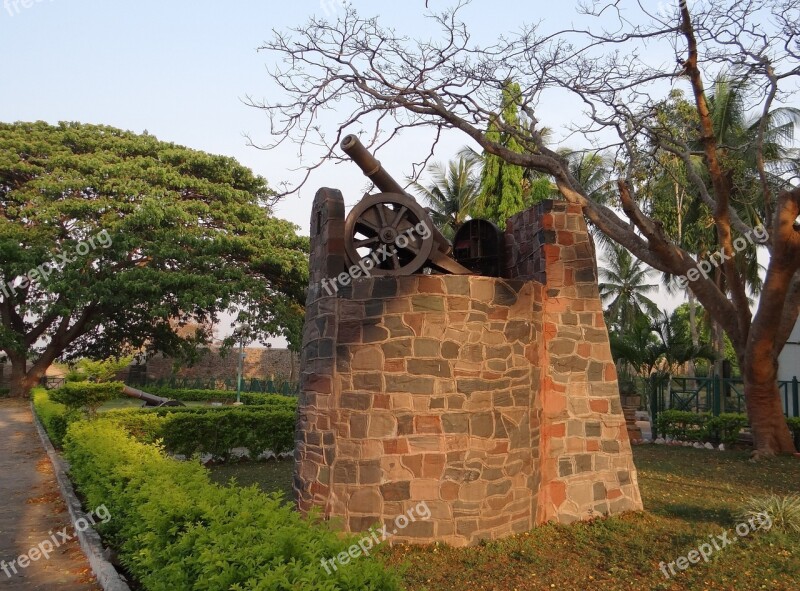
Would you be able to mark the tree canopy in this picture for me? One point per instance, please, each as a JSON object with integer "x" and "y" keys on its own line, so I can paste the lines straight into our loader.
{"x": 110, "y": 241}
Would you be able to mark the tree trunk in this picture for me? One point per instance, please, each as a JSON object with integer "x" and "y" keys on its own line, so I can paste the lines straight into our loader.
{"x": 22, "y": 381}
{"x": 771, "y": 434}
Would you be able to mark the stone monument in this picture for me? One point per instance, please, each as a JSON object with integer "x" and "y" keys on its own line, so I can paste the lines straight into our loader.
{"x": 493, "y": 399}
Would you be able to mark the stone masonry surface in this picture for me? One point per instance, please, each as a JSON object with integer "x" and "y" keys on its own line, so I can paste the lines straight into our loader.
{"x": 494, "y": 400}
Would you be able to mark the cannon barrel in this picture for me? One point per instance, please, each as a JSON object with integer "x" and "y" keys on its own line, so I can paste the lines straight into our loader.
{"x": 373, "y": 170}
{"x": 370, "y": 165}
{"x": 150, "y": 399}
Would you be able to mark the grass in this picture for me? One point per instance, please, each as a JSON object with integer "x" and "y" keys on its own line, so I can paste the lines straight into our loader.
{"x": 270, "y": 476}
{"x": 128, "y": 402}
{"x": 689, "y": 495}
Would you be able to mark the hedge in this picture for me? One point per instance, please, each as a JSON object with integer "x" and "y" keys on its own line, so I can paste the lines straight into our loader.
{"x": 55, "y": 417}
{"x": 89, "y": 395}
{"x": 689, "y": 426}
{"x": 250, "y": 398}
{"x": 215, "y": 431}
{"x": 176, "y": 531}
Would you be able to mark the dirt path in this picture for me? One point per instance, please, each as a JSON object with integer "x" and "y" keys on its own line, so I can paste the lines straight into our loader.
{"x": 32, "y": 513}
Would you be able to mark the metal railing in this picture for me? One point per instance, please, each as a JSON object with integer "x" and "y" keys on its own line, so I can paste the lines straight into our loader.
{"x": 712, "y": 394}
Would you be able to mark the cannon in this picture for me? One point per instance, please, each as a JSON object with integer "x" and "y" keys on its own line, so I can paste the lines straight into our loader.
{"x": 150, "y": 399}
{"x": 391, "y": 227}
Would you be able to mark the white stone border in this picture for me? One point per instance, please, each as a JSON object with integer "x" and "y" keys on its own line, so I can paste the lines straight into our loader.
{"x": 91, "y": 544}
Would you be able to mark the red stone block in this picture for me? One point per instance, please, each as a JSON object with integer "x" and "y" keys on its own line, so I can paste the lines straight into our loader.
{"x": 395, "y": 446}
{"x": 566, "y": 238}
{"x": 600, "y": 406}
{"x": 554, "y": 430}
{"x": 433, "y": 465}
{"x": 427, "y": 424}
{"x": 382, "y": 401}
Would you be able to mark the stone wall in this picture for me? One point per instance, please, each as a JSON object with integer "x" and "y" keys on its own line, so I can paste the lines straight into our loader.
{"x": 258, "y": 363}
{"x": 494, "y": 400}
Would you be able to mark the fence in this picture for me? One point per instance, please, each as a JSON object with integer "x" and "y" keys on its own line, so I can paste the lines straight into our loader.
{"x": 712, "y": 394}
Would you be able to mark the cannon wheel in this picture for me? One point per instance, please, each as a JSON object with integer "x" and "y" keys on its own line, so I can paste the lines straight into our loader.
{"x": 374, "y": 229}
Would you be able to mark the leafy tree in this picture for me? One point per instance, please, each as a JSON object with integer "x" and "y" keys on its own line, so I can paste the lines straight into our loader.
{"x": 624, "y": 290}
{"x": 501, "y": 193}
{"x": 103, "y": 370}
{"x": 372, "y": 74}
{"x": 452, "y": 193}
{"x": 110, "y": 241}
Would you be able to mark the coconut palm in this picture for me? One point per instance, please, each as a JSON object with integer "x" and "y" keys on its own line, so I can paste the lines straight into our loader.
{"x": 624, "y": 287}
{"x": 452, "y": 193}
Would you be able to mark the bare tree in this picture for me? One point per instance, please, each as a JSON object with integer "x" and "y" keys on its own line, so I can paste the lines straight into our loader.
{"x": 376, "y": 79}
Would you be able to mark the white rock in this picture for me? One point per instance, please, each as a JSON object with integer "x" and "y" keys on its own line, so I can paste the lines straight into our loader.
{"x": 721, "y": 447}
{"x": 687, "y": 444}
{"x": 659, "y": 441}
{"x": 697, "y": 445}
{"x": 708, "y": 445}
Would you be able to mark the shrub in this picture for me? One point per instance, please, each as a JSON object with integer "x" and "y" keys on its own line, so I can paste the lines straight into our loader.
{"x": 87, "y": 395}
{"x": 249, "y": 398}
{"x": 4, "y": 392}
{"x": 55, "y": 417}
{"x": 724, "y": 428}
{"x": 689, "y": 426}
{"x": 784, "y": 511}
{"x": 215, "y": 431}
{"x": 682, "y": 424}
{"x": 175, "y": 530}
{"x": 794, "y": 427}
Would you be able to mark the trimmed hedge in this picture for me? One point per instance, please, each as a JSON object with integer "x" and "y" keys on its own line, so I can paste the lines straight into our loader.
{"x": 690, "y": 426}
{"x": 216, "y": 431}
{"x": 89, "y": 395}
{"x": 176, "y": 531}
{"x": 250, "y": 398}
{"x": 55, "y": 417}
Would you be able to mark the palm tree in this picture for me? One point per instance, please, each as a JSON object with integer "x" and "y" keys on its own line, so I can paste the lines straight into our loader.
{"x": 452, "y": 193}
{"x": 624, "y": 289}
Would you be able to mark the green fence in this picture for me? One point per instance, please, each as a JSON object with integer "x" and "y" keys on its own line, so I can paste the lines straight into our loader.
{"x": 709, "y": 394}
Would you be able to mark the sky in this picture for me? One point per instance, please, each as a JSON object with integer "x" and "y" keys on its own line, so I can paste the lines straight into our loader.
{"x": 183, "y": 70}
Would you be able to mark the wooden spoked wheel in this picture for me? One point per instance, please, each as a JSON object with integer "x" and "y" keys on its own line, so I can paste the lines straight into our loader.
{"x": 386, "y": 228}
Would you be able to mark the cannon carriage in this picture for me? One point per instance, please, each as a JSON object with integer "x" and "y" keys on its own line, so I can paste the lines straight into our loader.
{"x": 398, "y": 234}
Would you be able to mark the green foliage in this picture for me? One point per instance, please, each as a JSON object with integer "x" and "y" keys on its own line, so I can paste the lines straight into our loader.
{"x": 103, "y": 370}
{"x": 783, "y": 511}
{"x": 160, "y": 236}
{"x": 176, "y": 531}
{"x": 215, "y": 431}
{"x": 452, "y": 193}
{"x": 725, "y": 428}
{"x": 690, "y": 426}
{"x": 185, "y": 395}
{"x": 87, "y": 395}
{"x": 502, "y": 183}
{"x": 55, "y": 417}
{"x": 682, "y": 424}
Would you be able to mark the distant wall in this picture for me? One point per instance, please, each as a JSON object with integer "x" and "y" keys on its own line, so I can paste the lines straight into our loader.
{"x": 259, "y": 363}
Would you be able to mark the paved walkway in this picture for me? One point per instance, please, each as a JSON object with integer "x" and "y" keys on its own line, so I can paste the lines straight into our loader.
{"x": 31, "y": 511}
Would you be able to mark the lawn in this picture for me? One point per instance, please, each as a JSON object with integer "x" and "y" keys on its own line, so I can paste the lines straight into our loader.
{"x": 689, "y": 495}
